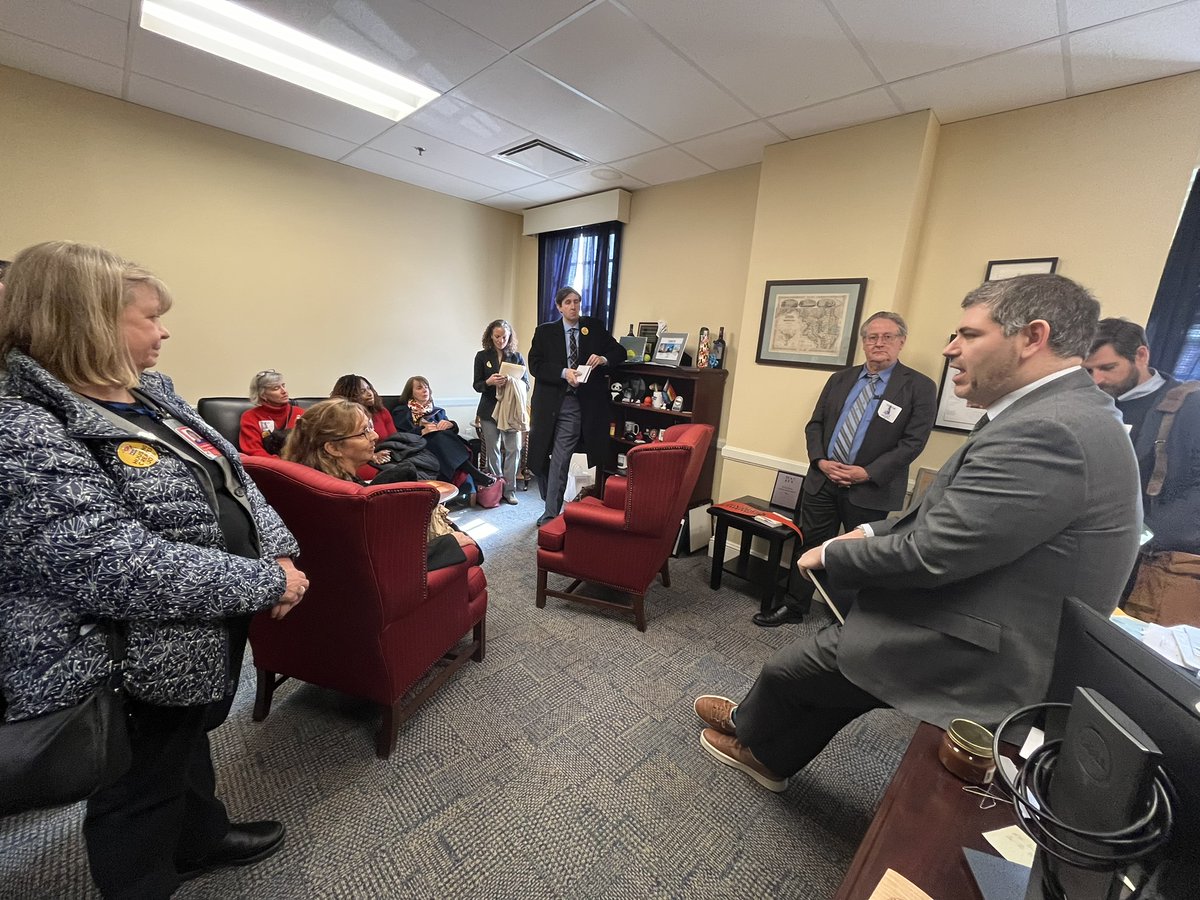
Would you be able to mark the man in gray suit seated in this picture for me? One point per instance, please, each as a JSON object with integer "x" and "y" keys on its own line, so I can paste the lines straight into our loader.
{"x": 958, "y": 601}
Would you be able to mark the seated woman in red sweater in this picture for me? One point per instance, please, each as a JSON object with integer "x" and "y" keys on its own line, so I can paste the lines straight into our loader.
{"x": 273, "y": 410}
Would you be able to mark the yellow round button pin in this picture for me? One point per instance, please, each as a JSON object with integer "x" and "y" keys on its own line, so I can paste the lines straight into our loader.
{"x": 137, "y": 454}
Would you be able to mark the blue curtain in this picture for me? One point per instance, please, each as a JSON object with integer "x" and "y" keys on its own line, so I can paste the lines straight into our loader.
{"x": 1173, "y": 329}
{"x": 588, "y": 259}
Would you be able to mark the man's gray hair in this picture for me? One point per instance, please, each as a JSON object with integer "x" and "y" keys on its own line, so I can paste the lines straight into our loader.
{"x": 891, "y": 317}
{"x": 1070, "y": 309}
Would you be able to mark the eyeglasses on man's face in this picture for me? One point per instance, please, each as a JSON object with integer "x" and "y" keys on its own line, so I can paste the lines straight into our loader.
{"x": 889, "y": 338}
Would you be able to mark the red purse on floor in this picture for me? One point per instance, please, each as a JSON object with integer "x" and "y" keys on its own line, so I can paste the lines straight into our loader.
{"x": 489, "y": 497}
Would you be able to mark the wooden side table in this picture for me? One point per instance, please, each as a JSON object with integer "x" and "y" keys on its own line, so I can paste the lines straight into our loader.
{"x": 766, "y": 577}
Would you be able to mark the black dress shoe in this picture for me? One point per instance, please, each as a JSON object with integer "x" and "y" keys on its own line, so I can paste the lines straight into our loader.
{"x": 542, "y": 520}
{"x": 245, "y": 844}
{"x": 784, "y": 615}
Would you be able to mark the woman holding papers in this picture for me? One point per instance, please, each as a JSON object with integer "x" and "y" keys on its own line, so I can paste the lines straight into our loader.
{"x": 503, "y": 384}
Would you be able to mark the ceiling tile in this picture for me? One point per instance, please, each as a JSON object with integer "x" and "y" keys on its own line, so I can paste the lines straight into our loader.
{"x": 118, "y": 9}
{"x": 68, "y": 26}
{"x": 446, "y": 157}
{"x": 403, "y": 35}
{"x": 199, "y": 108}
{"x": 586, "y": 181}
{"x": 1153, "y": 45}
{"x": 614, "y": 59}
{"x": 740, "y": 146}
{"x": 508, "y": 202}
{"x": 510, "y": 23}
{"x": 1085, "y": 13}
{"x": 867, "y": 106}
{"x": 31, "y": 56}
{"x": 174, "y": 63}
{"x": 780, "y": 56}
{"x": 546, "y": 192}
{"x": 908, "y": 37}
{"x": 468, "y": 126}
{"x": 1024, "y": 77}
{"x": 661, "y": 166}
{"x": 411, "y": 173}
{"x": 524, "y": 96}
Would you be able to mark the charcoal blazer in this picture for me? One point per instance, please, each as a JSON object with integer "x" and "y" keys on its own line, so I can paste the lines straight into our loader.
{"x": 547, "y": 359}
{"x": 888, "y": 448}
{"x": 959, "y": 599}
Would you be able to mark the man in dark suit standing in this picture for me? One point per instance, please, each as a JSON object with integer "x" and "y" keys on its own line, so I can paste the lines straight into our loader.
{"x": 567, "y": 411}
{"x": 869, "y": 424}
{"x": 958, "y": 601}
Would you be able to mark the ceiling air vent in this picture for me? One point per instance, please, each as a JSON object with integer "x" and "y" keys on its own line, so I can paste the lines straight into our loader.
{"x": 541, "y": 158}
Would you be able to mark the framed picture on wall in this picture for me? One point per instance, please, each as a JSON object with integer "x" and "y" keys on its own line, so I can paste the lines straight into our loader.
{"x": 810, "y": 323}
{"x": 999, "y": 269}
{"x": 953, "y": 414}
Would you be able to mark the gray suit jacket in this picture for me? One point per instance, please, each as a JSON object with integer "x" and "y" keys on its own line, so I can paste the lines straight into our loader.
{"x": 959, "y": 600}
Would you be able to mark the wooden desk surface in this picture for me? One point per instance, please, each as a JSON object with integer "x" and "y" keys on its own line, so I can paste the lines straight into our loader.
{"x": 921, "y": 826}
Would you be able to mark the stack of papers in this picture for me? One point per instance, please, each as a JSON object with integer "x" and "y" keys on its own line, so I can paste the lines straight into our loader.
{"x": 1180, "y": 643}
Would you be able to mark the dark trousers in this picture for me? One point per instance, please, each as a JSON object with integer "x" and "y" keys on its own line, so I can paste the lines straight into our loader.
{"x": 799, "y": 702}
{"x": 163, "y": 810}
{"x": 568, "y": 427}
{"x": 822, "y": 516}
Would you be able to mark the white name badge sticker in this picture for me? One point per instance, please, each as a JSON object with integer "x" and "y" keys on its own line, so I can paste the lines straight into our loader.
{"x": 889, "y": 410}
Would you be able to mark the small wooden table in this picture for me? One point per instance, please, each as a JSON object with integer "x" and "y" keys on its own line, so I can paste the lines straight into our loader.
{"x": 767, "y": 578}
{"x": 445, "y": 489}
{"x": 921, "y": 826}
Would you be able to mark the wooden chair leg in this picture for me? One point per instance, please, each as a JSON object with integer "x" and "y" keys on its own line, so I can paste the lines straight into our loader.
{"x": 385, "y": 738}
{"x": 480, "y": 635}
{"x": 541, "y": 588}
{"x": 639, "y": 611}
{"x": 263, "y": 694}
{"x": 665, "y": 572}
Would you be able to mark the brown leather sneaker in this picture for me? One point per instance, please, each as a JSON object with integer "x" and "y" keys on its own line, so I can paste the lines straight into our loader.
{"x": 716, "y": 712}
{"x": 733, "y": 753}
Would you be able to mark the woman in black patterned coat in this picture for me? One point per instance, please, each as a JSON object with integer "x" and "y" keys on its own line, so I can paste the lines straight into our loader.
{"x": 119, "y": 504}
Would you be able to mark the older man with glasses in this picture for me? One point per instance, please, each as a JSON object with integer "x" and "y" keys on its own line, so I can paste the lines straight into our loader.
{"x": 869, "y": 424}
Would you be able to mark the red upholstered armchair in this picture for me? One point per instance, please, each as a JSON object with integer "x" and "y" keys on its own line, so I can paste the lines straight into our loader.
{"x": 373, "y": 620}
{"x": 626, "y": 539}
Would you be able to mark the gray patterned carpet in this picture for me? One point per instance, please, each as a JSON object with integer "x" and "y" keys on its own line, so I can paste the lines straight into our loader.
{"x": 565, "y": 765}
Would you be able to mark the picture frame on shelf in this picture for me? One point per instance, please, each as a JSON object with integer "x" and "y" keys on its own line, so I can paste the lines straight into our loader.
{"x": 786, "y": 493}
{"x": 953, "y": 414}
{"x": 669, "y": 349}
{"x": 810, "y": 323}
{"x": 635, "y": 348}
{"x": 999, "y": 269}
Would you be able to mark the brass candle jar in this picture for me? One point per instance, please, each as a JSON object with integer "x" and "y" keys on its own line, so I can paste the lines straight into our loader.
{"x": 966, "y": 750}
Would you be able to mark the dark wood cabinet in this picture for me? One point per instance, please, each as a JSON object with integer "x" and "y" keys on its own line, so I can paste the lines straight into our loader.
{"x": 702, "y": 391}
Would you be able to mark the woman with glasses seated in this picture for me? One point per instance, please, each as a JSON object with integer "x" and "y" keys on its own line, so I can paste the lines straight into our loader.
{"x": 417, "y": 414}
{"x": 273, "y": 410}
{"x": 336, "y": 437}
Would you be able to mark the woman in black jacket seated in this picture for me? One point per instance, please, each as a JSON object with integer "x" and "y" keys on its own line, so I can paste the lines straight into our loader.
{"x": 336, "y": 438}
{"x": 416, "y": 414}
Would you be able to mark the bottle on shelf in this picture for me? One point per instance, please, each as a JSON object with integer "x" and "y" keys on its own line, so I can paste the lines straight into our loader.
{"x": 702, "y": 349}
{"x": 631, "y": 334}
{"x": 716, "y": 356}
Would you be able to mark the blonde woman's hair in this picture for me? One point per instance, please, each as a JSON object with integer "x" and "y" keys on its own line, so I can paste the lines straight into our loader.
{"x": 62, "y": 307}
{"x": 329, "y": 420}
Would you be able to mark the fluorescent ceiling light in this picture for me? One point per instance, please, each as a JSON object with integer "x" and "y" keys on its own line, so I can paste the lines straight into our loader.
{"x": 235, "y": 33}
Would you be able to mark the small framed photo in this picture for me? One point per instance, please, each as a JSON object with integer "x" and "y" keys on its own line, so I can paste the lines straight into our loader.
{"x": 999, "y": 269}
{"x": 635, "y": 348}
{"x": 650, "y": 329}
{"x": 669, "y": 349}
{"x": 953, "y": 414}
{"x": 810, "y": 323}
{"x": 786, "y": 493}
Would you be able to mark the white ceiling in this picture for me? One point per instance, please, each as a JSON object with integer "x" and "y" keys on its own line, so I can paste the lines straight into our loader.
{"x": 648, "y": 91}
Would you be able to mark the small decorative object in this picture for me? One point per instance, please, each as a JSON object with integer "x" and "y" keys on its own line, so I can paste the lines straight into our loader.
{"x": 702, "y": 349}
{"x": 657, "y": 401}
{"x": 999, "y": 269}
{"x": 787, "y": 490}
{"x": 621, "y": 461}
{"x": 651, "y": 435}
{"x": 627, "y": 395}
{"x": 632, "y": 431}
{"x": 810, "y": 323}
{"x": 677, "y": 406}
{"x": 635, "y": 347}
{"x": 716, "y": 356}
{"x": 647, "y": 402}
{"x": 612, "y": 429}
{"x": 616, "y": 387}
{"x": 669, "y": 350}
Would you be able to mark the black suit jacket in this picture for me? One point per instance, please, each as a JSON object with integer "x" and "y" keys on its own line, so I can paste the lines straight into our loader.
{"x": 487, "y": 364}
{"x": 547, "y": 359}
{"x": 888, "y": 448}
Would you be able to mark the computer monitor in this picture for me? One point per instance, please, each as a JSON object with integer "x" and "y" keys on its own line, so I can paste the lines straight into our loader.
{"x": 1160, "y": 697}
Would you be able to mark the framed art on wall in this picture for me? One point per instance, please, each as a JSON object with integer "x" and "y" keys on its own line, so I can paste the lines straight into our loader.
{"x": 999, "y": 269}
{"x": 810, "y": 322}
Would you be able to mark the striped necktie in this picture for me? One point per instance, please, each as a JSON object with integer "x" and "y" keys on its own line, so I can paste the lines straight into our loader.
{"x": 845, "y": 436}
{"x": 573, "y": 355}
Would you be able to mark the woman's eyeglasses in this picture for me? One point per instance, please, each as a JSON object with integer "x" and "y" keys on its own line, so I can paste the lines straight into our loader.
{"x": 370, "y": 429}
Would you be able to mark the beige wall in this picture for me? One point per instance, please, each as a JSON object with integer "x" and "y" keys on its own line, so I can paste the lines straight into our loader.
{"x": 277, "y": 259}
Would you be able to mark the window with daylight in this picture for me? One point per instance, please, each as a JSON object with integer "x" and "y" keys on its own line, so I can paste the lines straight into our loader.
{"x": 1173, "y": 329}
{"x": 587, "y": 259}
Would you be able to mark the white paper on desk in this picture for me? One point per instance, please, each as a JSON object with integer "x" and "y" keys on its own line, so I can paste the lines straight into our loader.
{"x": 894, "y": 886}
{"x": 1162, "y": 642}
{"x": 582, "y": 373}
{"x": 1033, "y": 740}
{"x": 1013, "y": 844}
